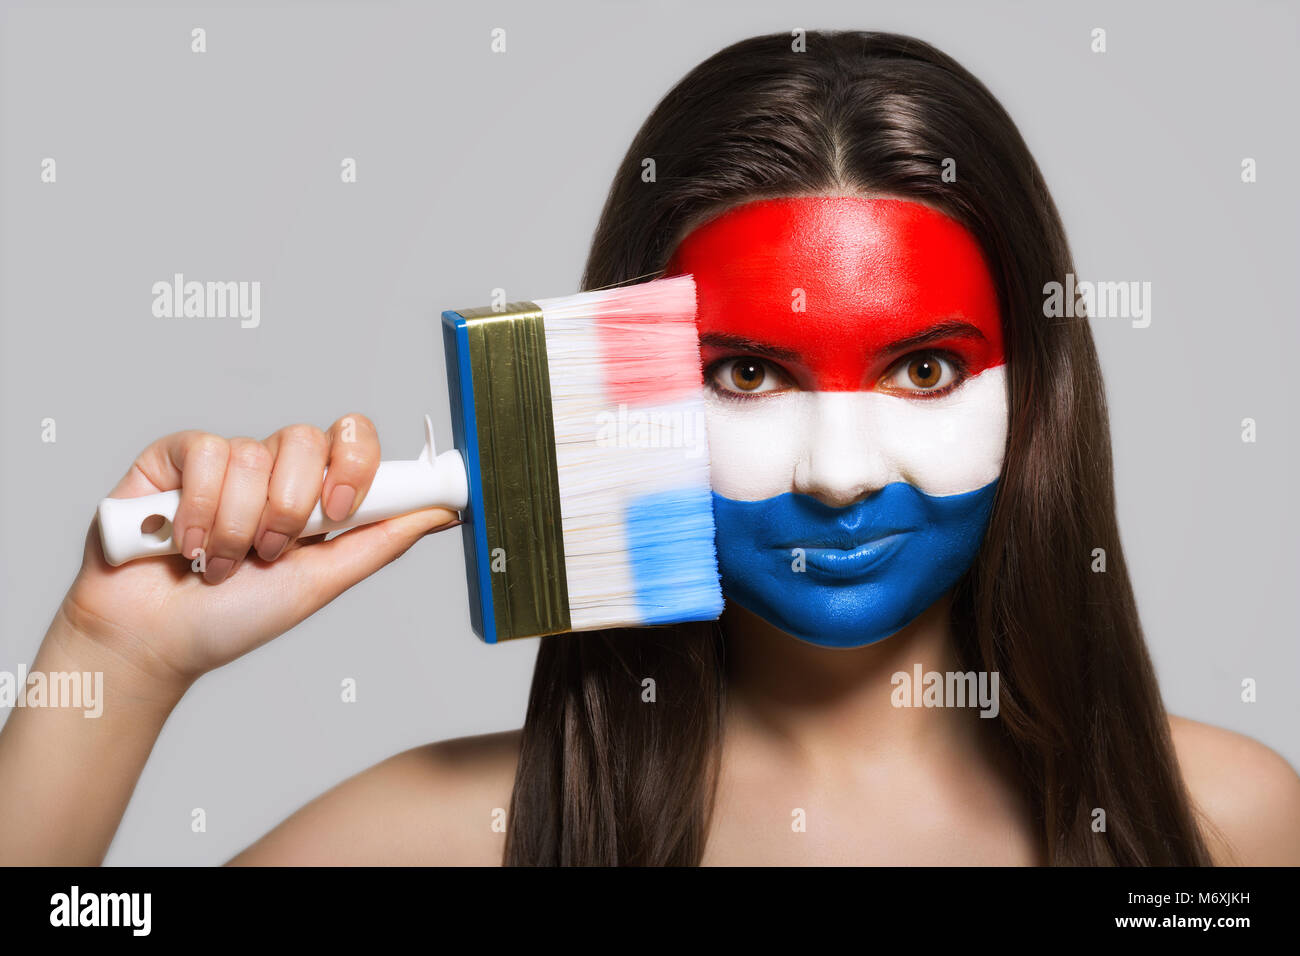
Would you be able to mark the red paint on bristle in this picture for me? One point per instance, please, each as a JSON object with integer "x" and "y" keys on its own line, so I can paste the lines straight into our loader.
{"x": 638, "y": 353}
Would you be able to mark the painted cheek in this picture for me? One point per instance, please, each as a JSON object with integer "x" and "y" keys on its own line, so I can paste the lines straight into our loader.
{"x": 753, "y": 452}
{"x": 841, "y": 446}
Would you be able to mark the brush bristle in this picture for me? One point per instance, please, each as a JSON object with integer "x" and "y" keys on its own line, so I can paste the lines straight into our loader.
{"x": 632, "y": 455}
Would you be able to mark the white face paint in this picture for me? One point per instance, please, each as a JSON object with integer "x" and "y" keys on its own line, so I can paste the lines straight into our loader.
{"x": 841, "y": 446}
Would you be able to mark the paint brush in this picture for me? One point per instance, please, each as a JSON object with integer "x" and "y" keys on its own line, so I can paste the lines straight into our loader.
{"x": 580, "y": 467}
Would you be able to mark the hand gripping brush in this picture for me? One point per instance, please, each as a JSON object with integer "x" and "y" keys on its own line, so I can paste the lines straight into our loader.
{"x": 580, "y": 468}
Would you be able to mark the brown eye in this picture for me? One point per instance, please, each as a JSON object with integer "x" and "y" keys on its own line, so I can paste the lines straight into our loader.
{"x": 924, "y": 372}
{"x": 747, "y": 376}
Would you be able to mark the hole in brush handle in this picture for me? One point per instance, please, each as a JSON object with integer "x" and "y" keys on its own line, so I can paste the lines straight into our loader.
{"x": 125, "y": 523}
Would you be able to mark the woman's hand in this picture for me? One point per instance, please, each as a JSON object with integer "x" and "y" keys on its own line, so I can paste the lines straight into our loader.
{"x": 243, "y": 502}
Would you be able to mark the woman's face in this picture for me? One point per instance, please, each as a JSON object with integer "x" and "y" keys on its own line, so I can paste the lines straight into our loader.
{"x": 857, "y": 408}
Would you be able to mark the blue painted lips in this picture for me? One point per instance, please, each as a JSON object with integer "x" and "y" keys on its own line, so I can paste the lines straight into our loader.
{"x": 844, "y": 564}
{"x": 866, "y": 570}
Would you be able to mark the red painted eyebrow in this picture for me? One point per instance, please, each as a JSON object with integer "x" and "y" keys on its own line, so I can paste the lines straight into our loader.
{"x": 739, "y": 343}
{"x": 950, "y": 329}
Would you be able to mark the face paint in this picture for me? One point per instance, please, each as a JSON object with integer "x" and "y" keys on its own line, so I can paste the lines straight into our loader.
{"x": 857, "y": 410}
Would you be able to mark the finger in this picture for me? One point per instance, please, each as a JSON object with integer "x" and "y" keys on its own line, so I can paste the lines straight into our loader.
{"x": 192, "y": 461}
{"x": 353, "y": 460}
{"x": 201, "y": 460}
{"x": 239, "y": 512}
{"x": 157, "y": 468}
{"x": 300, "y": 452}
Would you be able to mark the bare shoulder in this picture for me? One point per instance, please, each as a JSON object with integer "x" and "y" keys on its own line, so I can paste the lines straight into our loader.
{"x": 433, "y": 805}
{"x": 1247, "y": 792}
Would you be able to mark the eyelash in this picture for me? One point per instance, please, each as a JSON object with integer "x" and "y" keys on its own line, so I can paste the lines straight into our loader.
{"x": 958, "y": 365}
{"x": 711, "y": 372}
{"x": 954, "y": 361}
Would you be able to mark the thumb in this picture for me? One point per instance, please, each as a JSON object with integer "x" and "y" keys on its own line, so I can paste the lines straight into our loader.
{"x": 333, "y": 566}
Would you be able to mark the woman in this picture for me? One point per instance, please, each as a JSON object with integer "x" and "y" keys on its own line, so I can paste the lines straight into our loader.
{"x": 868, "y": 164}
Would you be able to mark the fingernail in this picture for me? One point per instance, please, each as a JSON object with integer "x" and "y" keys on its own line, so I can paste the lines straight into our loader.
{"x": 273, "y": 543}
{"x": 193, "y": 539}
{"x": 340, "y": 503}
{"x": 218, "y": 569}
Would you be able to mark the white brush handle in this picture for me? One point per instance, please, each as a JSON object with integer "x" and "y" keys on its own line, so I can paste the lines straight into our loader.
{"x": 399, "y": 488}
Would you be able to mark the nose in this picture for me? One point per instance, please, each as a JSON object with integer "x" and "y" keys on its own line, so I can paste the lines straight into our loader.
{"x": 841, "y": 461}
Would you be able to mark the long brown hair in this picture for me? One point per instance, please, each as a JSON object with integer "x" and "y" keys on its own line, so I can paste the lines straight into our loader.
{"x": 606, "y": 778}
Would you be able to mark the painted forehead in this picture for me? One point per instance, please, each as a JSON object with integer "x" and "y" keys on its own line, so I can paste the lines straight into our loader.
{"x": 837, "y": 288}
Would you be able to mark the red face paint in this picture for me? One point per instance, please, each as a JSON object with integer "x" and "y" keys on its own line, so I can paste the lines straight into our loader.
{"x": 875, "y": 274}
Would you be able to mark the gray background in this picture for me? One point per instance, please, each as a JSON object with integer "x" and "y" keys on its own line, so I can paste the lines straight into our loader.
{"x": 479, "y": 170}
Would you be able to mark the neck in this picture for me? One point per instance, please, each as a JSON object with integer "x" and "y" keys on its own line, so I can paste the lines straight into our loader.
{"x": 820, "y": 702}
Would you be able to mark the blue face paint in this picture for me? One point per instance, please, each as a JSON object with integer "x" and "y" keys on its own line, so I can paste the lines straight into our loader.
{"x": 908, "y": 548}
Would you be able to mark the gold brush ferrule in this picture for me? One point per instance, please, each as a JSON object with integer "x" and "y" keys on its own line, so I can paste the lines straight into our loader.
{"x": 520, "y": 481}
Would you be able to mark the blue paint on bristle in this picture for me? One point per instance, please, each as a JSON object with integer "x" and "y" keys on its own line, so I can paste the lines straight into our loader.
{"x": 673, "y": 555}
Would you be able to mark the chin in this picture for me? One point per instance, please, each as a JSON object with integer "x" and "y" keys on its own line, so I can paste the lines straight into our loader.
{"x": 833, "y": 624}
